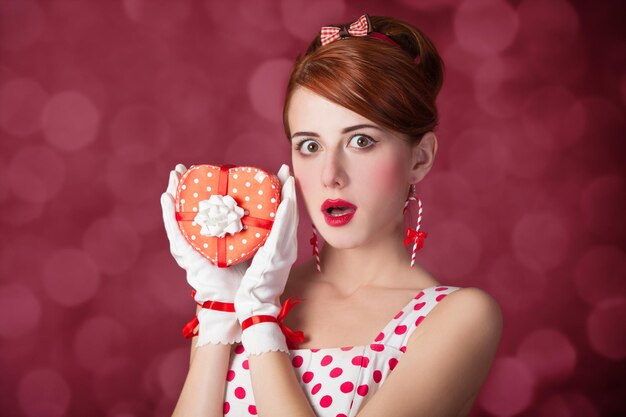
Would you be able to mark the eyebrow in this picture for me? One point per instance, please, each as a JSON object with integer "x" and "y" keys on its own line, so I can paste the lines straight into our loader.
{"x": 346, "y": 130}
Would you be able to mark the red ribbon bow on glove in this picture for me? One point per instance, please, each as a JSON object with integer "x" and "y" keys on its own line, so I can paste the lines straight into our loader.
{"x": 293, "y": 337}
{"x": 360, "y": 27}
{"x": 413, "y": 236}
{"x": 191, "y": 329}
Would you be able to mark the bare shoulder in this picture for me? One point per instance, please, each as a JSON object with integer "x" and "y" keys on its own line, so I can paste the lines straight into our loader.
{"x": 474, "y": 299}
{"x": 467, "y": 312}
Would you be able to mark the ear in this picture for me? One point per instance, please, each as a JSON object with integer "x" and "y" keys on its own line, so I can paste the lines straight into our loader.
{"x": 423, "y": 157}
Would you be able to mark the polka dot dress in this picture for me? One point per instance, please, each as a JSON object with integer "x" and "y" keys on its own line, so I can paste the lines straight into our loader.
{"x": 338, "y": 381}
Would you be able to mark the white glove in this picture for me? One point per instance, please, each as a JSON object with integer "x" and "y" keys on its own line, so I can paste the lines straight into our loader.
{"x": 265, "y": 279}
{"x": 209, "y": 281}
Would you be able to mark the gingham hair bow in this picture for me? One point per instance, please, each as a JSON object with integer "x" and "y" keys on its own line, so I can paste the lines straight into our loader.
{"x": 360, "y": 27}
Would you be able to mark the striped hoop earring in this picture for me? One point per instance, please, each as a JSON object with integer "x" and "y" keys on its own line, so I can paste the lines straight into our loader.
{"x": 414, "y": 236}
{"x": 316, "y": 253}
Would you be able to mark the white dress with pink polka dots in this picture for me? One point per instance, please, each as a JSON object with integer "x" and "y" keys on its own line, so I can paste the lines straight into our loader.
{"x": 338, "y": 381}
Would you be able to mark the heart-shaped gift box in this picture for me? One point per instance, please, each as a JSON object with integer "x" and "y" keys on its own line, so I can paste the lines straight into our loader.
{"x": 226, "y": 212}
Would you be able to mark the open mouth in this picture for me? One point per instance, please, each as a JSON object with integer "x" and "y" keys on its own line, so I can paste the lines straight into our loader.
{"x": 339, "y": 211}
{"x": 337, "y": 207}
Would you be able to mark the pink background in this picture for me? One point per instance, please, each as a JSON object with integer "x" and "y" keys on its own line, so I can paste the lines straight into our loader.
{"x": 100, "y": 99}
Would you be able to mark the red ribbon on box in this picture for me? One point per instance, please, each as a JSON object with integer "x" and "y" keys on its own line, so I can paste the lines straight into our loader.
{"x": 222, "y": 189}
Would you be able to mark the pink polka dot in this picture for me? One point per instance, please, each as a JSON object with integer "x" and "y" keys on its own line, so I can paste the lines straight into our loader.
{"x": 336, "y": 372}
{"x": 230, "y": 375}
{"x": 440, "y": 297}
{"x": 240, "y": 392}
{"x": 392, "y": 363}
{"x": 377, "y": 376}
{"x": 380, "y": 337}
{"x": 245, "y": 364}
{"x": 346, "y": 387}
{"x": 441, "y": 288}
{"x": 362, "y": 390}
{"x": 307, "y": 377}
{"x": 360, "y": 361}
{"x": 239, "y": 349}
{"x": 377, "y": 347}
{"x": 347, "y": 348}
{"x": 297, "y": 361}
{"x": 419, "y": 320}
{"x": 418, "y": 296}
{"x": 326, "y": 401}
{"x": 397, "y": 316}
{"x": 316, "y": 388}
{"x": 403, "y": 349}
{"x": 326, "y": 360}
{"x": 226, "y": 407}
{"x": 314, "y": 350}
{"x": 341, "y": 415}
{"x": 400, "y": 329}
{"x": 252, "y": 410}
{"x": 419, "y": 305}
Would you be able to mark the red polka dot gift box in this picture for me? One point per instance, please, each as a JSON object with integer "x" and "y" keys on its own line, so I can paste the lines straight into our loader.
{"x": 226, "y": 212}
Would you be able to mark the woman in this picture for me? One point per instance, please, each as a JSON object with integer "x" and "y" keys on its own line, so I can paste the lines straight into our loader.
{"x": 359, "y": 113}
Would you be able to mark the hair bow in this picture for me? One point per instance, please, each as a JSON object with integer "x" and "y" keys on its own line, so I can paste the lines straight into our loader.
{"x": 361, "y": 27}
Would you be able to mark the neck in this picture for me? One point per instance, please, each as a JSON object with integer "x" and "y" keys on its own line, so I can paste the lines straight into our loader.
{"x": 382, "y": 262}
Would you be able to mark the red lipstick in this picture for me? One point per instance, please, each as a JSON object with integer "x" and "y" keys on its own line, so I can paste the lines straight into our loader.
{"x": 338, "y": 212}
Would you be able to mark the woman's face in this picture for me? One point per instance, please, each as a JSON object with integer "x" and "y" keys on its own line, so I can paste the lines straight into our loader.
{"x": 332, "y": 159}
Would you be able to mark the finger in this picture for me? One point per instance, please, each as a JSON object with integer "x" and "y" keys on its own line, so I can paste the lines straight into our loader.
{"x": 286, "y": 219}
{"x": 169, "y": 220}
{"x": 181, "y": 169}
{"x": 172, "y": 184}
{"x": 289, "y": 189}
{"x": 283, "y": 173}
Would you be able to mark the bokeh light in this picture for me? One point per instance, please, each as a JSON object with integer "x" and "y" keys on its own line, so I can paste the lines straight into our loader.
{"x": 509, "y": 389}
{"x": 541, "y": 240}
{"x": 70, "y": 120}
{"x": 485, "y": 27}
{"x": 70, "y": 276}
{"x": 20, "y": 311}
{"x": 44, "y": 393}
{"x": 600, "y": 273}
{"x": 36, "y": 173}
{"x": 21, "y": 103}
{"x": 101, "y": 345}
{"x": 21, "y": 24}
{"x": 549, "y": 354}
{"x": 113, "y": 244}
{"x": 605, "y": 327}
{"x": 266, "y": 95}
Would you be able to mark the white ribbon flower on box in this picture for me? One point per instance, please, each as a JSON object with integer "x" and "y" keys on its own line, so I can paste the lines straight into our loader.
{"x": 219, "y": 215}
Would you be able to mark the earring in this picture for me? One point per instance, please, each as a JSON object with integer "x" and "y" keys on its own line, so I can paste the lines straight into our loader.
{"x": 416, "y": 236}
{"x": 315, "y": 250}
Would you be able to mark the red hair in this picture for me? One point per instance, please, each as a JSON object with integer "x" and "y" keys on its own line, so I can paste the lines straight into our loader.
{"x": 393, "y": 87}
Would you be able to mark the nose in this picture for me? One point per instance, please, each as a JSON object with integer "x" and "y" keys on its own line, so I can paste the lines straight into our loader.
{"x": 333, "y": 172}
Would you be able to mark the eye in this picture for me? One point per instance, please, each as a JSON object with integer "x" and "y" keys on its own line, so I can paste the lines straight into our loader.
{"x": 362, "y": 141}
{"x": 309, "y": 145}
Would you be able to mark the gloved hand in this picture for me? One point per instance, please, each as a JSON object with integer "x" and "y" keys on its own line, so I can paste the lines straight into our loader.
{"x": 265, "y": 279}
{"x": 209, "y": 282}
